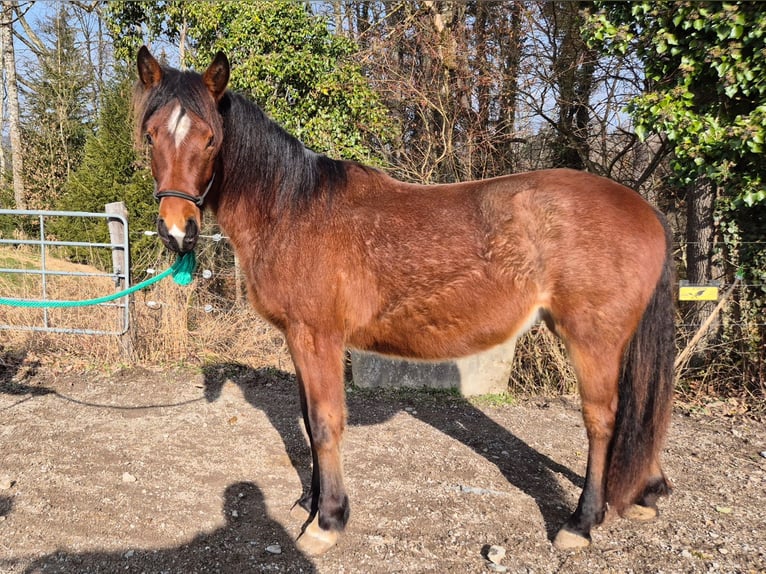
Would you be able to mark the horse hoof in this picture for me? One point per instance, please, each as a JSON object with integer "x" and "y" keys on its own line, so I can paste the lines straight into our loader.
{"x": 640, "y": 513}
{"x": 299, "y": 513}
{"x": 315, "y": 541}
{"x": 568, "y": 540}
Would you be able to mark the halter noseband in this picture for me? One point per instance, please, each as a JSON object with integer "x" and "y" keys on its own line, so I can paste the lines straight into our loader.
{"x": 197, "y": 200}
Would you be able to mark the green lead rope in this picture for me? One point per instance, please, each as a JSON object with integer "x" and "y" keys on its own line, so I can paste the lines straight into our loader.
{"x": 181, "y": 271}
{"x": 183, "y": 268}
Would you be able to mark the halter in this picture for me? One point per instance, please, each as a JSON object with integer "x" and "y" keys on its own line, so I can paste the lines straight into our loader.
{"x": 197, "y": 200}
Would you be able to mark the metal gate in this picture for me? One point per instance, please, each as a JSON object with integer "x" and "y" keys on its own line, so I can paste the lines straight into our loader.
{"x": 29, "y": 270}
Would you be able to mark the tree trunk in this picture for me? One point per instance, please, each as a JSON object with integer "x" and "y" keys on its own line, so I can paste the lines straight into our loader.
{"x": 701, "y": 267}
{"x": 14, "y": 128}
{"x": 2, "y": 112}
{"x": 449, "y": 73}
{"x": 573, "y": 68}
{"x": 511, "y": 44}
{"x": 182, "y": 45}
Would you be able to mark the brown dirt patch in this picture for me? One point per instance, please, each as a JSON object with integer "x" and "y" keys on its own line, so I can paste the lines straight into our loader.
{"x": 184, "y": 470}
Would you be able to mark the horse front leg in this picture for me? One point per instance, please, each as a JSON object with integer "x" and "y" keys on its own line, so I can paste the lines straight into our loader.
{"x": 318, "y": 359}
{"x": 306, "y": 507}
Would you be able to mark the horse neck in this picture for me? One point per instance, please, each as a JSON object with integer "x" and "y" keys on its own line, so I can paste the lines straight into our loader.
{"x": 268, "y": 173}
{"x": 260, "y": 163}
{"x": 245, "y": 163}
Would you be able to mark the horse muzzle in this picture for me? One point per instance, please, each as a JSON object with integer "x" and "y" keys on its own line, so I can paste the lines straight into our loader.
{"x": 178, "y": 225}
{"x": 177, "y": 239}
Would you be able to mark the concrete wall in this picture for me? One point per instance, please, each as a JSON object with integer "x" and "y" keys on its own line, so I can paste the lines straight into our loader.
{"x": 485, "y": 373}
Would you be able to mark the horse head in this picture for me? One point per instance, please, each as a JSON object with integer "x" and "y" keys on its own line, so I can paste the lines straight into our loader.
{"x": 178, "y": 118}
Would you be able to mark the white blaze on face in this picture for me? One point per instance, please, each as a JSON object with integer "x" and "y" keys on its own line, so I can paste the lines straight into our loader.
{"x": 179, "y": 234}
{"x": 179, "y": 124}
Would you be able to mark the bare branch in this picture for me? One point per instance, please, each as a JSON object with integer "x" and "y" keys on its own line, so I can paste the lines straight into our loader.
{"x": 35, "y": 43}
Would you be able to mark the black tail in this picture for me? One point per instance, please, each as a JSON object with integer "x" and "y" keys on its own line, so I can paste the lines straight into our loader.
{"x": 645, "y": 393}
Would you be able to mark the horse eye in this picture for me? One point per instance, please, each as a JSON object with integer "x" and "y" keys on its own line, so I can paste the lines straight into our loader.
{"x": 149, "y": 140}
{"x": 211, "y": 141}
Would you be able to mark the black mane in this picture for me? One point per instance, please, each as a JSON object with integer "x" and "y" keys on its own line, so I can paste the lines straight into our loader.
{"x": 258, "y": 153}
{"x": 257, "y": 156}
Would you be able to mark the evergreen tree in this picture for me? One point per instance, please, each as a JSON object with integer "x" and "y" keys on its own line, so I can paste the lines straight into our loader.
{"x": 56, "y": 122}
{"x": 108, "y": 173}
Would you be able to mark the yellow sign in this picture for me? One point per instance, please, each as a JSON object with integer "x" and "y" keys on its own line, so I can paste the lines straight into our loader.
{"x": 698, "y": 293}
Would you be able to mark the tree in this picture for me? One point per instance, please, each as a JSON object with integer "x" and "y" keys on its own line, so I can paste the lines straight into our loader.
{"x": 487, "y": 88}
{"x": 706, "y": 93}
{"x": 302, "y": 74}
{"x": 11, "y": 86}
{"x": 573, "y": 72}
{"x": 132, "y": 23}
{"x": 449, "y": 72}
{"x": 108, "y": 173}
{"x": 283, "y": 56}
{"x": 56, "y": 121}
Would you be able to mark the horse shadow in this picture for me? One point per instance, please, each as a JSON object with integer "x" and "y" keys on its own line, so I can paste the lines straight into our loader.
{"x": 15, "y": 372}
{"x": 6, "y": 505}
{"x": 525, "y": 468}
{"x": 238, "y": 546}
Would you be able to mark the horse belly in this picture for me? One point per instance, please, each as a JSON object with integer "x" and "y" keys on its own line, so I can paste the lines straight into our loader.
{"x": 441, "y": 329}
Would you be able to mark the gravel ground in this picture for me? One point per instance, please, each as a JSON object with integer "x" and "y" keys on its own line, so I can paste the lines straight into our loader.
{"x": 184, "y": 471}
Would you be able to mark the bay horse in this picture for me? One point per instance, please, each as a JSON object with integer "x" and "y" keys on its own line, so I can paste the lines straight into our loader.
{"x": 337, "y": 254}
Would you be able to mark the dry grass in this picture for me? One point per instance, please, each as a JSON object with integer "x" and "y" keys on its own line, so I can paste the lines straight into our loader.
{"x": 171, "y": 324}
{"x": 168, "y": 324}
{"x": 541, "y": 365}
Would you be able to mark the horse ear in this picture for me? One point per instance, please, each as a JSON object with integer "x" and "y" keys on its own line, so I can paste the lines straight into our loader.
{"x": 149, "y": 69}
{"x": 217, "y": 75}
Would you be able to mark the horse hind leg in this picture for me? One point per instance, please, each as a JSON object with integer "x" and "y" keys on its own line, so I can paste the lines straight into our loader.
{"x": 597, "y": 375}
{"x": 624, "y": 444}
{"x": 644, "y": 508}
